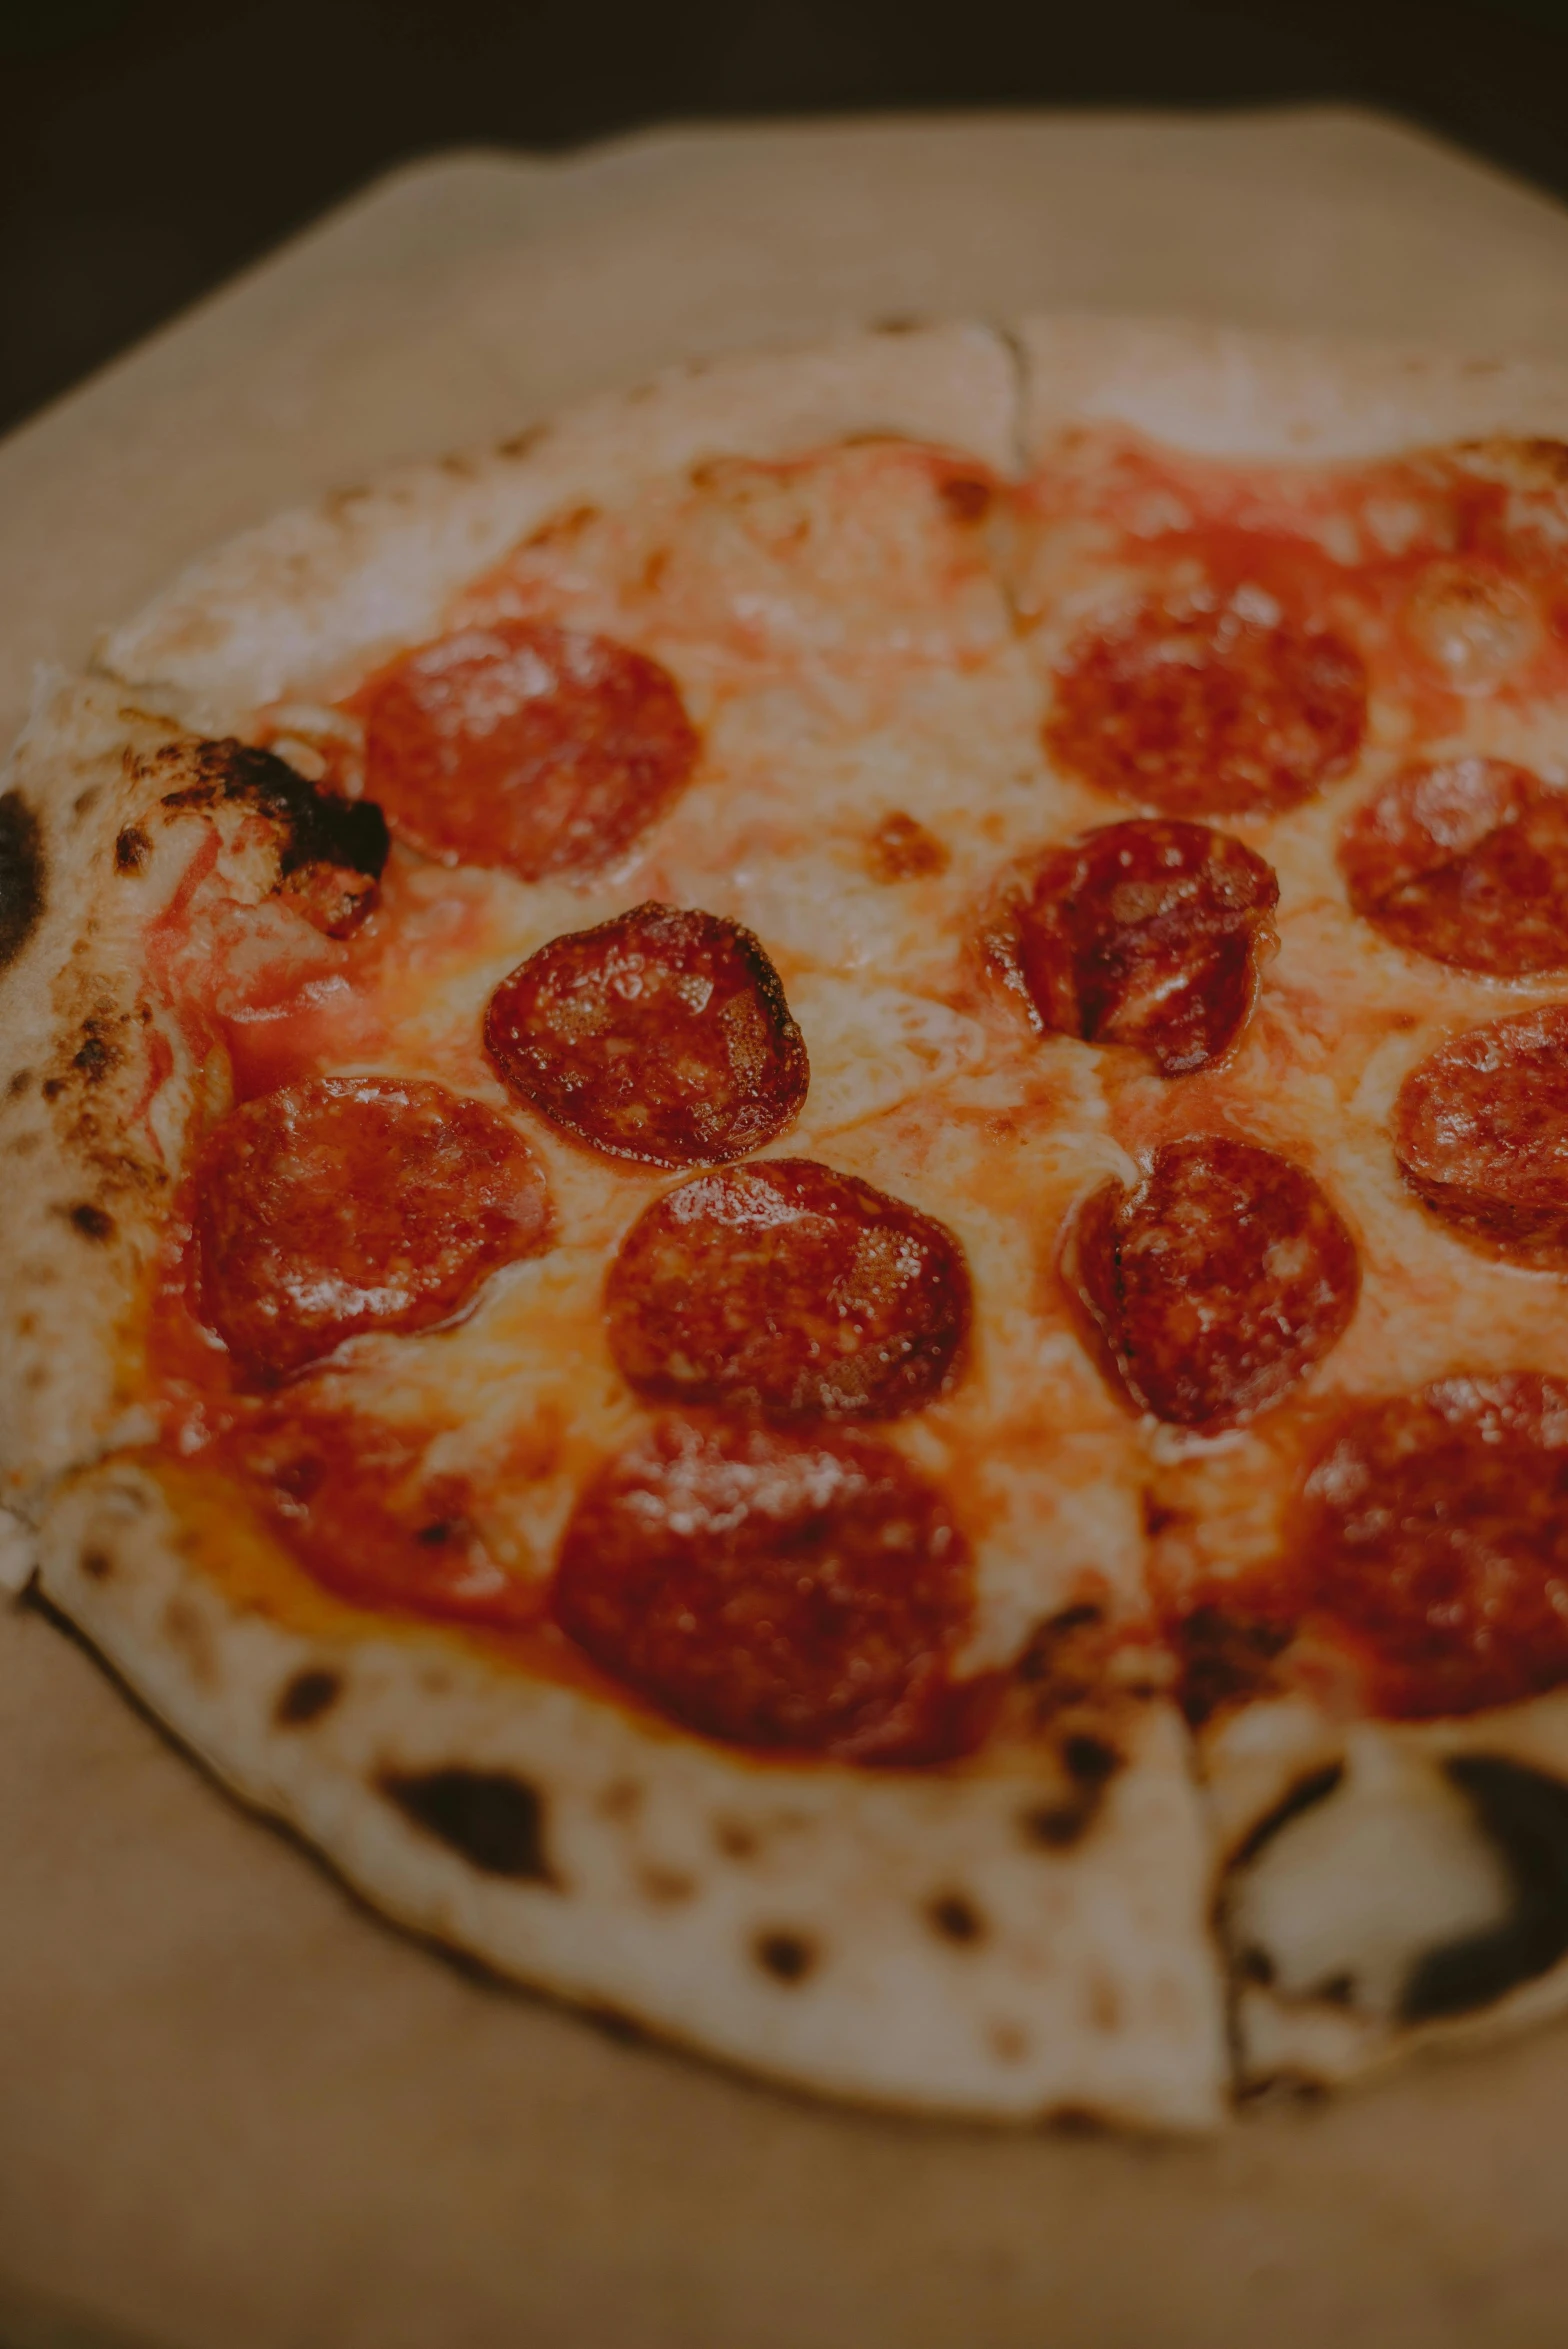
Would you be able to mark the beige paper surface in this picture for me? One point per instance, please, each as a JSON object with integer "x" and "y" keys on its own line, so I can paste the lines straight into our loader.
{"x": 236, "y": 2113}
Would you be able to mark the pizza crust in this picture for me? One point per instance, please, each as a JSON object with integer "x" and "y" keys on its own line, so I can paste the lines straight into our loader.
{"x": 897, "y": 1938}
{"x": 335, "y": 586}
{"x": 1244, "y": 393}
{"x": 89, "y": 1180}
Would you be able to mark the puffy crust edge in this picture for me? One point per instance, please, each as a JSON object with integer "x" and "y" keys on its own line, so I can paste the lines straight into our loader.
{"x": 88, "y": 1178}
{"x": 788, "y": 1919}
{"x": 1245, "y": 392}
{"x": 320, "y": 588}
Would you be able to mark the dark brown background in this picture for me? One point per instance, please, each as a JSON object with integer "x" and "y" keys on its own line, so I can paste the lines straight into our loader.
{"x": 150, "y": 147}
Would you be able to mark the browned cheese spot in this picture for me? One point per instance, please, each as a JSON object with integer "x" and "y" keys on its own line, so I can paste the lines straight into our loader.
{"x": 131, "y": 850}
{"x": 97, "y": 1565}
{"x": 736, "y": 1840}
{"x": 306, "y": 1697}
{"x": 1008, "y": 2043}
{"x": 491, "y": 1818}
{"x": 94, "y": 1223}
{"x": 900, "y": 849}
{"x": 955, "y": 1917}
{"x": 789, "y": 1957}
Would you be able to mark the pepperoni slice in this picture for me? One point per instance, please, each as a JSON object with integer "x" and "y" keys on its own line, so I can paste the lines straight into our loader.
{"x": 355, "y": 1502}
{"x": 1213, "y": 1287}
{"x": 346, "y": 1204}
{"x": 1207, "y": 708}
{"x": 1434, "y": 1537}
{"x": 774, "y": 1589}
{"x": 540, "y": 749}
{"x": 660, "y": 1035}
{"x": 1147, "y": 933}
{"x": 1481, "y": 1135}
{"x": 784, "y": 1287}
{"x": 1466, "y": 862}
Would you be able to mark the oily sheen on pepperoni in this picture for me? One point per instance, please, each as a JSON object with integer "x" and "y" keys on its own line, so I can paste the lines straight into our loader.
{"x": 660, "y": 1035}
{"x": 786, "y": 1288}
{"x": 355, "y": 1502}
{"x": 1481, "y": 1134}
{"x": 1149, "y": 934}
{"x": 1434, "y": 1539}
{"x": 1213, "y": 1286}
{"x": 540, "y": 749}
{"x": 1465, "y": 861}
{"x": 774, "y": 1588}
{"x": 346, "y": 1204}
{"x": 1206, "y": 707}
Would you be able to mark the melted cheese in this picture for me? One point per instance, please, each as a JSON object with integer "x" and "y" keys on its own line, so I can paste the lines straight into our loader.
{"x": 849, "y": 653}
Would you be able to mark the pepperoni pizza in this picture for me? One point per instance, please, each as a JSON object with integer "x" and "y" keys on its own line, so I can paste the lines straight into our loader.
{"x": 789, "y": 1197}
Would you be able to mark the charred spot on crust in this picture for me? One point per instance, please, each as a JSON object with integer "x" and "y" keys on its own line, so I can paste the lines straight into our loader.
{"x": 306, "y": 1697}
{"x": 21, "y": 875}
{"x": 955, "y": 1917}
{"x": 1057, "y": 1826}
{"x": 493, "y": 1819}
{"x": 789, "y": 1957}
{"x": 1091, "y": 1761}
{"x": 131, "y": 850}
{"x": 1307, "y": 1792}
{"x": 95, "y": 1056}
{"x": 1225, "y": 1659}
{"x": 667, "y": 1887}
{"x": 94, "y": 1223}
{"x": 319, "y": 828}
{"x": 1524, "y": 1815}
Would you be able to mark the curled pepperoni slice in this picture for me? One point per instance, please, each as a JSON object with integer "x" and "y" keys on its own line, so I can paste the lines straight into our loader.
{"x": 1434, "y": 1537}
{"x": 660, "y": 1035}
{"x": 774, "y": 1589}
{"x": 1209, "y": 708}
{"x": 784, "y": 1287}
{"x": 540, "y": 749}
{"x": 346, "y": 1204}
{"x": 1467, "y": 862}
{"x": 1213, "y": 1287}
{"x": 1147, "y": 933}
{"x": 355, "y": 1502}
{"x": 1481, "y": 1135}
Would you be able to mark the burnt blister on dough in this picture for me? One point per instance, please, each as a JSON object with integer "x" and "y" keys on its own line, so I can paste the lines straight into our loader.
{"x": 1524, "y": 1814}
{"x": 491, "y": 1818}
{"x": 318, "y": 827}
{"x": 21, "y": 875}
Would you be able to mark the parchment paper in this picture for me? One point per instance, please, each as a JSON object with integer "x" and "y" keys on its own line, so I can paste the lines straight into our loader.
{"x": 237, "y": 2113}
